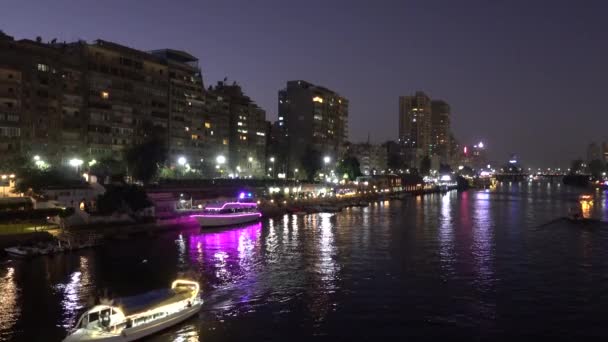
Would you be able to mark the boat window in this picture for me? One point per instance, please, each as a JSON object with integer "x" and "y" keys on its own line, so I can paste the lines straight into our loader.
{"x": 93, "y": 316}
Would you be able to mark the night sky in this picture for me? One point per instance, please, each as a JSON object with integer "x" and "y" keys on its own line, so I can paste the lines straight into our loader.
{"x": 523, "y": 76}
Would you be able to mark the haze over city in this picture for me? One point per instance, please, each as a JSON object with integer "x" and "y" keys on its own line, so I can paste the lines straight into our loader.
{"x": 524, "y": 77}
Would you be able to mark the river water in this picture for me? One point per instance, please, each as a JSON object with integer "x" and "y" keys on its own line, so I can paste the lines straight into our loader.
{"x": 474, "y": 264}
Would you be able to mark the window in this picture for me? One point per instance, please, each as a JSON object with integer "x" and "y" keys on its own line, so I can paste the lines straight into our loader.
{"x": 43, "y": 67}
{"x": 10, "y": 132}
{"x": 207, "y": 125}
{"x": 225, "y": 141}
{"x": 194, "y": 137}
{"x": 105, "y": 95}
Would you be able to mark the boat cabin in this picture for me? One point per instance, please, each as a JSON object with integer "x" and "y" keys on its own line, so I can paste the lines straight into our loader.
{"x": 231, "y": 208}
{"x": 101, "y": 317}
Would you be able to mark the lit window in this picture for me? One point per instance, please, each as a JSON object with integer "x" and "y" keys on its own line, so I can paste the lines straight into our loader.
{"x": 225, "y": 141}
{"x": 105, "y": 95}
{"x": 43, "y": 67}
{"x": 260, "y": 133}
{"x": 239, "y": 123}
{"x": 187, "y": 128}
{"x": 317, "y": 99}
{"x": 211, "y": 133}
{"x": 280, "y": 118}
{"x": 194, "y": 137}
{"x": 207, "y": 125}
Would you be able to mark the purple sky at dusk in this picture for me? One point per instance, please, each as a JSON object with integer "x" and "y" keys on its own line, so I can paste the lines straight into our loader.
{"x": 523, "y": 76}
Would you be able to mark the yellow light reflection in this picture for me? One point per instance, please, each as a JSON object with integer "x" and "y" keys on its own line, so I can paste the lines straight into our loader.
{"x": 9, "y": 310}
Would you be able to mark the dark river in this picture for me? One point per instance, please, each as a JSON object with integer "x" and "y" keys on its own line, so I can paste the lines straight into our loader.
{"x": 462, "y": 265}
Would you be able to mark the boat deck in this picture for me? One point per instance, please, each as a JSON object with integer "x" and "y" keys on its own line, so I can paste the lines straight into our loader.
{"x": 150, "y": 300}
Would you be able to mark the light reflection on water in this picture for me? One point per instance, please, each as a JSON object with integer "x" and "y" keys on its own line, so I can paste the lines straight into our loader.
{"x": 9, "y": 310}
{"x": 76, "y": 293}
{"x": 458, "y": 264}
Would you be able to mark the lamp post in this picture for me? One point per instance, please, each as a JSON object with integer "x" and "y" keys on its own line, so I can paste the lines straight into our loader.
{"x": 326, "y": 161}
{"x": 75, "y": 162}
{"x": 273, "y": 168}
{"x": 220, "y": 160}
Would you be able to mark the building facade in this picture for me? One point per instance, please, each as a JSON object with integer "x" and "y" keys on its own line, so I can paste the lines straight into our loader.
{"x": 415, "y": 122}
{"x": 594, "y": 151}
{"x": 247, "y": 131}
{"x": 440, "y": 130}
{"x": 311, "y": 117}
{"x": 94, "y": 100}
{"x": 372, "y": 158}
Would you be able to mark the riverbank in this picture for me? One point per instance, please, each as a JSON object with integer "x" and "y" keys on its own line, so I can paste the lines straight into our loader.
{"x": 269, "y": 208}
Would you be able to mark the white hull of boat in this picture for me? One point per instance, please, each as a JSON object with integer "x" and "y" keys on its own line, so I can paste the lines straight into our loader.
{"x": 226, "y": 220}
{"x": 138, "y": 332}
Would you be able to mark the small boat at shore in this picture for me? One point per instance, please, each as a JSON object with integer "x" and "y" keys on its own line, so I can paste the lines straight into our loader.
{"x": 139, "y": 316}
{"x": 228, "y": 214}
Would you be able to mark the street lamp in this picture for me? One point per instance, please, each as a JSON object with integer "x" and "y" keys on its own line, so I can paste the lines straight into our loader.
{"x": 75, "y": 162}
{"x": 36, "y": 158}
{"x": 220, "y": 159}
{"x": 182, "y": 160}
{"x": 275, "y": 172}
{"x": 326, "y": 160}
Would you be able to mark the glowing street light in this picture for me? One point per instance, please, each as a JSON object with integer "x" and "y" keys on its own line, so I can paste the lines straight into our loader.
{"x": 220, "y": 159}
{"x": 36, "y": 158}
{"x": 326, "y": 159}
{"x": 272, "y": 159}
{"x": 75, "y": 162}
{"x": 182, "y": 160}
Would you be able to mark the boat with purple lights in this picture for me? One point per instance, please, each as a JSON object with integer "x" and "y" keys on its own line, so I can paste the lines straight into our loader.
{"x": 228, "y": 214}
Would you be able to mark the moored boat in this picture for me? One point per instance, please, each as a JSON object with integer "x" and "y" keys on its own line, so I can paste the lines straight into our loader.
{"x": 136, "y": 317}
{"x": 228, "y": 214}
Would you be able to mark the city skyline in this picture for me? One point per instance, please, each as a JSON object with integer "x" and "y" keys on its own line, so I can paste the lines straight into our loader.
{"x": 504, "y": 83}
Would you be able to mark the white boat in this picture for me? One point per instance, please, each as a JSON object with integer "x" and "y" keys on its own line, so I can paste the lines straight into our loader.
{"x": 136, "y": 317}
{"x": 20, "y": 252}
{"x": 228, "y": 214}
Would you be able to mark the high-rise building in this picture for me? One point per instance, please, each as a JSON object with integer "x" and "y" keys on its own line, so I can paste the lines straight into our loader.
{"x": 94, "y": 100}
{"x": 42, "y": 98}
{"x": 605, "y": 151}
{"x": 440, "y": 130}
{"x": 415, "y": 122}
{"x": 127, "y": 97}
{"x": 594, "y": 151}
{"x": 247, "y": 131}
{"x": 311, "y": 117}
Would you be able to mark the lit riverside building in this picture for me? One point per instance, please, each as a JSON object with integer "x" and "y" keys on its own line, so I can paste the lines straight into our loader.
{"x": 415, "y": 124}
{"x": 312, "y": 117}
{"x": 94, "y": 100}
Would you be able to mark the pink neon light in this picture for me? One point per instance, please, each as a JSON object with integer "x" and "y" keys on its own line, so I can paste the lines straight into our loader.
{"x": 227, "y": 203}
{"x": 227, "y": 216}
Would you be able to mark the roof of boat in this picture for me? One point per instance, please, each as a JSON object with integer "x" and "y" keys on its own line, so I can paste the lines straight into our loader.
{"x": 150, "y": 300}
{"x": 231, "y": 205}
